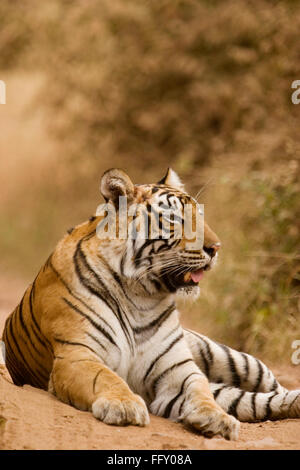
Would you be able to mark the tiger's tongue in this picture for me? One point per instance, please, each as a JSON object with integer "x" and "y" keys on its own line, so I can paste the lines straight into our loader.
{"x": 197, "y": 275}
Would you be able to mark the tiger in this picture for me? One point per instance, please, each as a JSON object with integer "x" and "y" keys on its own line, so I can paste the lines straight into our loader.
{"x": 99, "y": 328}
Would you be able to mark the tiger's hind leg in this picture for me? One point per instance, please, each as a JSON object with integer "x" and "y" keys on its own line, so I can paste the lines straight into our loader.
{"x": 178, "y": 389}
{"x": 257, "y": 406}
{"x": 80, "y": 379}
{"x": 241, "y": 384}
{"x": 222, "y": 364}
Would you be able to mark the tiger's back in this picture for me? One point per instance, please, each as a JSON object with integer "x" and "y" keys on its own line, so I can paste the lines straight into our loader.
{"x": 28, "y": 334}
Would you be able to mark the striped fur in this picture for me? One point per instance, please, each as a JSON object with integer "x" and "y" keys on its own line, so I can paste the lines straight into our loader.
{"x": 99, "y": 329}
{"x": 242, "y": 385}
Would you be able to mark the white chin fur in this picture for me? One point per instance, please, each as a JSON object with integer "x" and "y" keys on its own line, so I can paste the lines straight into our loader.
{"x": 188, "y": 293}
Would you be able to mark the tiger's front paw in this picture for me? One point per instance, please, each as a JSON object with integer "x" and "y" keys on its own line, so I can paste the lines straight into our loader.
{"x": 213, "y": 422}
{"x": 121, "y": 411}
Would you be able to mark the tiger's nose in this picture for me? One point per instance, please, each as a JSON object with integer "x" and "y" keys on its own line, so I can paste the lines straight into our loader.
{"x": 212, "y": 249}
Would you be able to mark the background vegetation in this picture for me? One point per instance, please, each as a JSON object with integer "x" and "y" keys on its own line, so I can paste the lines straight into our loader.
{"x": 196, "y": 85}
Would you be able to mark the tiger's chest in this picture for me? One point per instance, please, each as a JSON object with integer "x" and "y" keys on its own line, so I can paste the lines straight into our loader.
{"x": 126, "y": 334}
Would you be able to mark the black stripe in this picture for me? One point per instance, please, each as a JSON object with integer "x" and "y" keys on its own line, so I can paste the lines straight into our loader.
{"x": 89, "y": 235}
{"x": 18, "y": 379}
{"x": 42, "y": 343}
{"x": 207, "y": 358}
{"x": 95, "y": 380}
{"x": 233, "y": 407}
{"x": 79, "y": 299}
{"x": 35, "y": 323}
{"x": 169, "y": 407}
{"x": 156, "y": 283}
{"x": 291, "y": 404}
{"x": 205, "y": 361}
{"x": 31, "y": 299}
{"x": 157, "y": 322}
{"x": 36, "y": 379}
{"x": 208, "y": 351}
{"x": 274, "y": 385}
{"x": 246, "y": 367}
{"x": 138, "y": 256}
{"x": 268, "y": 406}
{"x": 166, "y": 371}
{"x": 40, "y": 372}
{"x": 259, "y": 377}
{"x": 105, "y": 297}
{"x": 170, "y": 333}
{"x": 165, "y": 247}
{"x": 122, "y": 263}
{"x": 120, "y": 283}
{"x": 46, "y": 263}
{"x": 91, "y": 321}
{"x": 95, "y": 285}
{"x": 24, "y": 327}
{"x": 285, "y": 395}
{"x": 236, "y": 381}
{"x": 178, "y": 338}
{"x": 72, "y": 343}
{"x": 167, "y": 282}
{"x": 96, "y": 340}
{"x": 218, "y": 391}
{"x": 43, "y": 372}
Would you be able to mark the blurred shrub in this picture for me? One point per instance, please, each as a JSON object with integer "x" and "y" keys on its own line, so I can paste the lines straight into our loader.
{"x": 172, "y": 82}
{"x": 274, "y": 293}
{"x": 253, "y": 300}
{"x": 179, "y": 82}
{"x": 16, "y": 32}
{"x": 168, "y": 81}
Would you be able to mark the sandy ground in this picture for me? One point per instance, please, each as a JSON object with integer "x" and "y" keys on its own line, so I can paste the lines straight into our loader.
{"x": 33, "y": 419}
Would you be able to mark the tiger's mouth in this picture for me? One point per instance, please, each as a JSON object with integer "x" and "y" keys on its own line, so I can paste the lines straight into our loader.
{"x": 187, "y": 279}
{"x": 193, "y": 277}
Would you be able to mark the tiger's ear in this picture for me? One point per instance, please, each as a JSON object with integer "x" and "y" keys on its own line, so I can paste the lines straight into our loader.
{"x": 172, "y": 179}
{"x": 115, "y": 183}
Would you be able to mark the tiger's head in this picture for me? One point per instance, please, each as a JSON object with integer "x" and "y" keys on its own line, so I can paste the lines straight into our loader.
{"x": 162, "y": 241}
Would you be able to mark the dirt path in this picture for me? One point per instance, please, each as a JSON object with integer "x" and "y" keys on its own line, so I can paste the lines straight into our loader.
{"x": 33, "y": 419}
